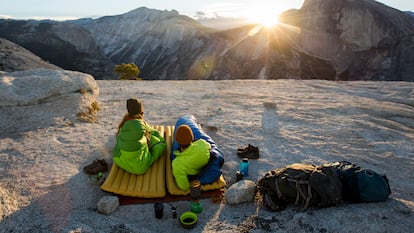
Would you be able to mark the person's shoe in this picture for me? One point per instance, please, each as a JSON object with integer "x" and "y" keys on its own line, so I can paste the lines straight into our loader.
{"x": 250, "y": 152}
{"x": 248, "y": 148}
{"x": 96, "y": 166}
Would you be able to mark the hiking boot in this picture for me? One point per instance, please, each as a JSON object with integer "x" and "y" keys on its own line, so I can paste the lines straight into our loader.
{"x": 249, "y": 147}
{"x": 95, "y": 167}
{"x": 250, "y": 152}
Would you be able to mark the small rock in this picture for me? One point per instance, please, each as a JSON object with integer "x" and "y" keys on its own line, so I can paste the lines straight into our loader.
{"x": 212, "y": 128}
{"x": 108, "y": 204}
{"x": 242, "y": 191}
{"x": 270, "y": 105}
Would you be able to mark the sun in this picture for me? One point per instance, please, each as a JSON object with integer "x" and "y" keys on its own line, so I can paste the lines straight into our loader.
{"x": 266, "y": 13}
{"x": 263, "y": 12}
{"x": 265, "y": 20}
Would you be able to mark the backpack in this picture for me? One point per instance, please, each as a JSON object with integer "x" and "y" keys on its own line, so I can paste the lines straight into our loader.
{"x": 360, "y": 184}
{"x": 304, "y": 185}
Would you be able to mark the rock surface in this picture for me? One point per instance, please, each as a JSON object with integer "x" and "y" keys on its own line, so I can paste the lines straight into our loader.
{"x": 107, "y": 204}
{"x": 316, "y": 121}
{"x": 31, "y": 87}
{"x": 359, "y": 39}
{"x": 14, "y": 58}
{"x": 44, "y": 91}
{"x": 241, "y": 191}
{"x": 64, "y": 44}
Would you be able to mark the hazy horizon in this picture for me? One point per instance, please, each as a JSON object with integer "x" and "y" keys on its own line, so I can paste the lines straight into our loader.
{"x": 65, "y": 10}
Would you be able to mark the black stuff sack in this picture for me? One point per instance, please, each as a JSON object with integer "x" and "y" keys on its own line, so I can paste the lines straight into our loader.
{"x": 360, "y": 184}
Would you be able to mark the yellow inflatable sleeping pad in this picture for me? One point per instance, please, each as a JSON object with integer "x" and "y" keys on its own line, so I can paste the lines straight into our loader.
{"x": 171, "y": 184}
{"x": 149, "y": 185}
{"x": 154, "y": 182}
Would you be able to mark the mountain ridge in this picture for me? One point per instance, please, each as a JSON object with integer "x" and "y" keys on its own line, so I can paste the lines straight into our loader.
{"x": 323, "y": 40}
{"x": 15, "y": 58}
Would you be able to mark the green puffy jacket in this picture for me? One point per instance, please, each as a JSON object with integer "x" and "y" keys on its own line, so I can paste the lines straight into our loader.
{"x": 132, "y": 152}
{"x": 190, "y": 162}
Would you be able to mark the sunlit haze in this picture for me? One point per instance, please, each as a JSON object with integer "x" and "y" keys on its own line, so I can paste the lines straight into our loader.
{"x": 259, "y": 11}
{"x": 266, "y": 14}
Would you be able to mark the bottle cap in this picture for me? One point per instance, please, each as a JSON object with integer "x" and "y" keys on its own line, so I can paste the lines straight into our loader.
{"x": 239, "y": 176}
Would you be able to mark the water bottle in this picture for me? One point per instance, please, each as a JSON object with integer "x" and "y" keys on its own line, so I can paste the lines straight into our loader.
{"x": 244, "y": 167}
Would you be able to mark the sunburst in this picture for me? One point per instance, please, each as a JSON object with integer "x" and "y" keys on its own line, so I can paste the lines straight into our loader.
{"x": 265, "y": 15}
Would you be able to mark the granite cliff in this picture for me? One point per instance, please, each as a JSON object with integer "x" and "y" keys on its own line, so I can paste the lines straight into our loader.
{"x": 325, "y": 39}
{"x": 66, "y": 45}
{"x": 360, "y": 39}
{"x": 15, "y": 58}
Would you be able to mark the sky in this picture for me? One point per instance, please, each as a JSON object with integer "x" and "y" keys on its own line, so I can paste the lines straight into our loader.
{"x": 74, "y": 9}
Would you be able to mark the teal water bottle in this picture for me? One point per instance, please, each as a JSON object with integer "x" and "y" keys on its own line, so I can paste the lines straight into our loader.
{"x": 244, "y": 167}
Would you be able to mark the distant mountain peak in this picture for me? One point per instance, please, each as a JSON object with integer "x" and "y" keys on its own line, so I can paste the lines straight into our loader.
{"x": 148, "y": 14}
{"x": 145, "y": 10}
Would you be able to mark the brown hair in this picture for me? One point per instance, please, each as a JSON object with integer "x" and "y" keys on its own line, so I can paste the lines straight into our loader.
{"x": 135, "y": 111}
{"x": 134, "y": 107}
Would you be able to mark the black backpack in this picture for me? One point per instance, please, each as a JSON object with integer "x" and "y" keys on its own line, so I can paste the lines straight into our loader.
{"x": 303, "y": 184}
{"x": 360, "y": 184}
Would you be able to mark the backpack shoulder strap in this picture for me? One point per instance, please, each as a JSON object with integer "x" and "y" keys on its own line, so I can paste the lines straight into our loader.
{"x": 298, "y": 174}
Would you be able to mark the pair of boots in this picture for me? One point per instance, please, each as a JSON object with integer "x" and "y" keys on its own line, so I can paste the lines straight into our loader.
{"x": 250, "y": 152}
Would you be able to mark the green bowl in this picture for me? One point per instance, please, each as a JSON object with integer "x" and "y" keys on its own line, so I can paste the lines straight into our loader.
{"x": 188, "y": 219}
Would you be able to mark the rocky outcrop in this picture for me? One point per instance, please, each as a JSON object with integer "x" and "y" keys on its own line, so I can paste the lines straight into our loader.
{"x": 66, "y": 45}
{"x": 14, "y": 58}
{"x": 33, "y": 99}
{"x": 39, "y": 86}
{"x": 361, "y": 39}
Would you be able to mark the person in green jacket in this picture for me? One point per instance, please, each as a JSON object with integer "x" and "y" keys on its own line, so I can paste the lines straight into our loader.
{"x": 138, "y": 145}
{"x": 191, "y": 157}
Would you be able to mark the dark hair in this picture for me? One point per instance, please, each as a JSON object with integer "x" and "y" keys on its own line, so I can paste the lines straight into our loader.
{"x": 134, "y": 107}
